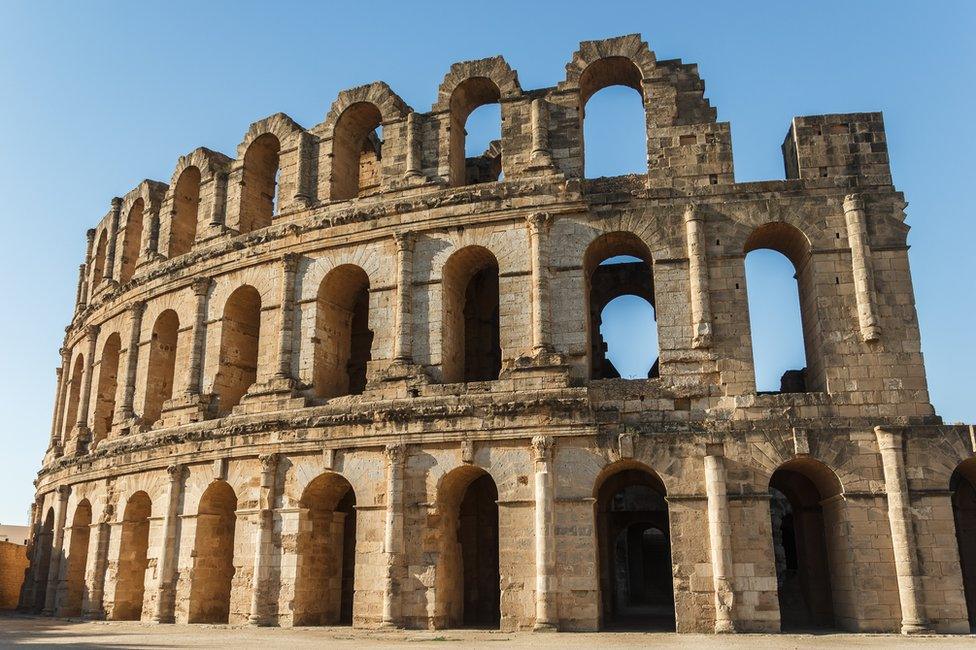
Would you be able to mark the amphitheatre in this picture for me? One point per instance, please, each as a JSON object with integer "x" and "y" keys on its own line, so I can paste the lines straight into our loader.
{"x": 350, "y": 375}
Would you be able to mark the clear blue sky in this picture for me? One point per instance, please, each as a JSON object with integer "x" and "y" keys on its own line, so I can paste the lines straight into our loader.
{"x": 97, "y": 96}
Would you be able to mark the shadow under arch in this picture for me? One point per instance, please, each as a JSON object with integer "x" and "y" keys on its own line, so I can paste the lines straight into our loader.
{"x": 130, "y": 587}
{"x": 213, "y": 564}
{"x": 467, "y": 580}
{"x": 633, "y": 548}
{"x": 77, "y": 560}
{"x": 326, "y": 552}
{"x": 470, "y": 326}
{"x": 810, "y": 550}
{"x": 962, "y": 483}
{"x": 343, "y": 340}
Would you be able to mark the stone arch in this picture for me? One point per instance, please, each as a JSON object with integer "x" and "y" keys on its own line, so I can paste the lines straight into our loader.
{"x": 77, "y": 559}
{"x": 185, "y": 211}
{"x": 43, "y": 541}
{"x": 213, "y": 564}
{"x": 791, "y": 242}
{"x": 133, "y": 559}
{"x": 326, "y": 550}
{"x": 470, "y": 334}
{"x": 132, "y": 239}
{"x": 963, "y": 487}
{"x": 98, "y": 260}
{"x": 467, "y": 583}
{"x": 74, "y": 395}
{"x": 240, "y": 335}
{"x": 107, "y": 387}
{"x": 161, "y": 373}
{"x": 605, "y": 283}
{"x": 633, "y": 547}
{"x": 343, "y": 340}
{"x": 809, "y": 545}
{"x": 259, "y": 182}
{"x": 139, "y": 208}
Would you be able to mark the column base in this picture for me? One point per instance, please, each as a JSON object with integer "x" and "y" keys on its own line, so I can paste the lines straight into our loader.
{"x": 281, "y": 393}
{"x": 725, "y": 627}
{"x": 184, "y": 409}
{"x": 537, "y": 369}
{"x": 402, "y": 378}
{"x": 545, "y": 627}
{"x": 911, "y": 629}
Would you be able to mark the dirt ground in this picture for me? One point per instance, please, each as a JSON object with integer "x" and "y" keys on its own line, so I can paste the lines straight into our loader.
{"x": 42, "y": 632}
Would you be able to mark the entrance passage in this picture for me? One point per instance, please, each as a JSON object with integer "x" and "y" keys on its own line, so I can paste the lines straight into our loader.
{"x": 636, "y": 586}
{"x": 468, "y": 591}
{"x": 324, "y": 586}
{"x": 213, "y": 566}
{"x": 133, "y": 562}
{"x": 963, "y": 486}
{"x": 800, "y": 549}
{"x": 77, "y": 560}
{"x": 45, "y": 538}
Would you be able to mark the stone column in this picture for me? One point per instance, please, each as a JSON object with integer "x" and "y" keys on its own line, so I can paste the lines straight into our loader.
{"x": 414, "y": 158}
{"x": 539, "y": 223}
{"x": 92, "y": 606}
{"x": 113, "y": 235}
{"x": 80, "y": 297}
{"x": 88, "y": 288}
{"x": 393, "y": 532}
{"x": 91, "y": 332}
{"x": 913, "y": 619}
{"x": 131, "y": 361}
{"x": 701, "y": 309}
{"x": 61, "y": 397}
{"x": 403, "y": 340}
{"x": 857, "y": 235}
{"x": 201, "y": 287}
{"x": 219, "y": 205}
{"x": 720, "y": 537}
{"x": 54, "y": 569}
{"x": 263, "y": 542}
{"x": 165, "y": 598}
{"x": 541, "y": 154}
{"x": 286, "y": 336}
{"x": 546, "y": 619}
{"x": 303, "y": 194}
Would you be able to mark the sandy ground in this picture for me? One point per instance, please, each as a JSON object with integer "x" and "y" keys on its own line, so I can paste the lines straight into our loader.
{"x": 36, "y": 631}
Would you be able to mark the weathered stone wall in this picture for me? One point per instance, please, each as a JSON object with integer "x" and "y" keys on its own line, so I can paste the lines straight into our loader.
{"x": 13, "y": 564}
{"x": 261, "y": 414}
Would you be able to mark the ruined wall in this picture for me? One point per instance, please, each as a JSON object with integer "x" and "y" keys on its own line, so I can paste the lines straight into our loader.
{"x": 13, "y": 564}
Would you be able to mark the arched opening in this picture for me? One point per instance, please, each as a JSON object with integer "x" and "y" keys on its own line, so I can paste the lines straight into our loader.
{"x": 782, "y": 304}
{"x": 259, "y": 183}
{"x": 74, "y": 575}
{"x": 43, "y": 541}
{"x": 162, "y": 364}
{"x": 108, "y": 383}
{"x": 619, "y": 264}
{"x": 325, "y": 576}
{"x": 634, "y": 550}
{"x": 613, "y": 127}
{"x": 343, "y": 340}
{"x": 470, "y": 327}
{"x": 186, "y": 204}
{"x": 963, "y": 486}
{"x": 213, "y": 551}
{"x": 468, "y": 581}
{"x": 74, "y": 395}
{"x": 132, "y": 241}
{"x": 357, "y": 152}
{"x": 477, "y": 161}
{"x": 98, "y": 268}
{"x": 802, "y": 546}
{"x": 239, "y": 341}
{"x": 133, "y": 558}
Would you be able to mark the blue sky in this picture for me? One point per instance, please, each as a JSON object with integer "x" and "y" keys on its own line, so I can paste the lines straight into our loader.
{"x": 97, "y": 96}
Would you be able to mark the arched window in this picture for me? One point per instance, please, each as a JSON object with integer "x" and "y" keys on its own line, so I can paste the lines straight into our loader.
{"x": 130, "y": 588}
{"x": 619, "y": 284}
{"x": 782, "y": 305}
{"x": 613, "y": 126}
{"x": 98, "y": 263}
{"x": 470, "y": 327}
{"x": 343, "y": 340}
{"x": 108, "y": 383}
{"x": 477, "y": 98}
{"x": 357, "y": 150}
{"x": 186, "y": 205}
{"x": 132, "y": 241}
{"x": 259, "y": 183}
{"x": 77, "y": 560}
{"x": 634, "y": 549}
{"x": 74, "y": 395}
{"x": 963, "y": 486}
{"x": 162, "y": 365}
{"x": 324, "y": 583}
{"x": 467, "y": 584}
{"x": 239, "y": 344}
{"x": 213, "y": 555}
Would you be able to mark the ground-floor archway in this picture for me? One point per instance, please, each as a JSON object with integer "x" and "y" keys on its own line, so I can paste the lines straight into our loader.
{"x": 468, "y": 580}
{"x": 963, "y": 486}
{"x": 213, "y": 564}
{"x": 77, "y": 560}
{"x": 634, "y": 550}
{"x": 42, "y": 557}
{"x": 133, "y": 559}
{"x": 325, "y": 574}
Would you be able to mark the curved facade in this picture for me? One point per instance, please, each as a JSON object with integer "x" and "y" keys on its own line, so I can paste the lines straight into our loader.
{"x": 344, "y": 377}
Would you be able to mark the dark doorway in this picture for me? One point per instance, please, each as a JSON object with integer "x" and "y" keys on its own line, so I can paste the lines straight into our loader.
{"x": 478, "y": 536}
{"x": 964, "y": 512}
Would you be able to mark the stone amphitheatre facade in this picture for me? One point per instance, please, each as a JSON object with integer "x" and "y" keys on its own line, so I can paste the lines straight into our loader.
{"x": 338, "y": 378}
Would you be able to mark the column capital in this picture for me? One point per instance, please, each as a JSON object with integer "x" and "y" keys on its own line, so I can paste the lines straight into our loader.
{"x": 65, "y": 354}
{"x": 395, "y": 453}
{"x": 269, "y": 461}
{"x": 291, "y": 261}
{"x": 64, "y": 491}
{"x": 853, "y": 202}
{"x": 201, "y": 286}
{"x": 692, "y": 213}
{"x": 116, "y": 203}
{"x": 888, "y": 438}
{"x": 90, "y": 235}
{"x": 538, "y": 221}
{"x": 91, "y": 332}
{"x": 107, "y": 513}
{"x": 58, "y": 370}
{"x": 542, "y": 447}
{"x": 137, "y": 308}
{"x": 404, "y": 240}
{"x": 176, "y": 472}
